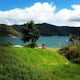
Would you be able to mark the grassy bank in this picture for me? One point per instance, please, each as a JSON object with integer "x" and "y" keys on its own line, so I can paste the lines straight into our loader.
{"x": 35, "y": 64}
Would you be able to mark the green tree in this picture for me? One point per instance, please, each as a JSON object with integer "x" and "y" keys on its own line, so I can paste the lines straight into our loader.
{"x": 30, "y": 33}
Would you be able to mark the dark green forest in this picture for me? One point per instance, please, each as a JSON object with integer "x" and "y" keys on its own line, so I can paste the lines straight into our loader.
{"x": 8, "y": 31}
{"x": 44, "y": 30}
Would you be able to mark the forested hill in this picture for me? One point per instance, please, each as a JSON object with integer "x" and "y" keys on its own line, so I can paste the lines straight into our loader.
{"x": 44, "y": 29}
{"x": 8, "y": 31}
{"x": 52, "y": 30}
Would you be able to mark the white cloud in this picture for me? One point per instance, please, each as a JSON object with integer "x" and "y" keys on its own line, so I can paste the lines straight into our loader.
{"x": 76, "y": 7}
{"x": 68, "y": 16}
{"x": 40, "y": 13}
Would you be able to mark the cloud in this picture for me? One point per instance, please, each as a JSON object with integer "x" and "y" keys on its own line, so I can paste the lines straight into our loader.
{"x": 42, "y": 12}
{"x": 39, "y": 12}
{"x": 77, "y": 7}
{"x": 75, "y": 13}
{"x": 69, "y": 17}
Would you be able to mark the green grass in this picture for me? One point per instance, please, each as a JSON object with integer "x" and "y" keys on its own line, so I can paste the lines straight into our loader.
{"x": 35, "y": 64}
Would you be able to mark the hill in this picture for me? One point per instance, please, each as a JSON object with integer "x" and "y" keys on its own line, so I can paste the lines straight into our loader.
{"x": 35, "y": 64}
{"x": 53, "y": 30}
{"x": 8, "y": 31}
{"x": 44, "y": 30}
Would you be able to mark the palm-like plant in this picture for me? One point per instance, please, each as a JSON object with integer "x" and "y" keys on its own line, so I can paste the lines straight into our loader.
{"x": 74, "y": 39}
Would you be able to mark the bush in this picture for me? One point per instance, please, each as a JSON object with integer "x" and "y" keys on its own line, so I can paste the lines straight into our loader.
{"x": 31, "y": 45}
{"x": 72, "y": 53}
{"x": 6, "y": 44}
{"x": 64, "y": 50}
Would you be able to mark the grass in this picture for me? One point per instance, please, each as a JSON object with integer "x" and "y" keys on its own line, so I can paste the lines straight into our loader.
{"x": 35, "y": 64}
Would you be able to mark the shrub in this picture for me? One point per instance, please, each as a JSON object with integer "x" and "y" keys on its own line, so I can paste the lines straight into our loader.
{"x": 64, "y": 50}
{"x": 6, "y": 44}
{"x": 72, "y": 53}
{"x": 31, "y": 45}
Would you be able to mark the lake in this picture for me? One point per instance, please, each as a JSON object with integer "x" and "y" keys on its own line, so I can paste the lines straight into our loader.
{"x": 49, "y": 41}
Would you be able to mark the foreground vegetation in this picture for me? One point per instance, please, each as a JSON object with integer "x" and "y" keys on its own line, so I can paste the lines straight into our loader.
{"x": 35, "y": 64}
{"x": 71, "y": 52}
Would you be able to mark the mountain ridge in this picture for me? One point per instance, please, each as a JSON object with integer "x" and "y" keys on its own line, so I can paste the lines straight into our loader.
{"x": 45, "y": 29}
{"x": 8, "y": 31}
{"x": 52, "y": 30}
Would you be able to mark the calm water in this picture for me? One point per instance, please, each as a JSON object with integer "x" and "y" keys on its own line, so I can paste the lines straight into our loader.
{"x": 55, "y": 41}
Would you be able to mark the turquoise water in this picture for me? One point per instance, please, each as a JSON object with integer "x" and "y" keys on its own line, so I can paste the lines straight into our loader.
{"x": 54, "y": 41}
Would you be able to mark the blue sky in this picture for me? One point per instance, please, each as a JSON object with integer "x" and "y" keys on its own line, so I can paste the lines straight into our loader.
{"x": 11, "y": 4}
{"x": 58, "y": 12}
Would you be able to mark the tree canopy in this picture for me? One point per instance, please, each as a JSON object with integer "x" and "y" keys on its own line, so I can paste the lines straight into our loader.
{"x": 30, "y": 32}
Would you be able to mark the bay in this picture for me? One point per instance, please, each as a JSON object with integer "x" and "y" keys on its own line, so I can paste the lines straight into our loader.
{"x": 49, "y": 41}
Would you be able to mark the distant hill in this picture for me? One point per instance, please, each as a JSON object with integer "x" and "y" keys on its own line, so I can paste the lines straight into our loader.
{"x": 52, "y": 30}
{"x": 8, "y": 31}
{"x": 44, "y": 30}
{"x": 47, "y": 29}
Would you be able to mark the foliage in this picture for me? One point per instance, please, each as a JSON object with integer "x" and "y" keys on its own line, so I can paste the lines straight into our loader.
{"x": 74, "y": 39}
{"x": 35, "y": 64}
{"x": 72, "y": 53}
{"x": 6, "y": 44}
{"x": 30, "y": 33}
{"x": 31, "y": 45}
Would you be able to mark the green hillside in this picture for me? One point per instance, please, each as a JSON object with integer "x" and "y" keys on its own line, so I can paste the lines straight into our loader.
{"x": 8, "y": 31}
{"x": 35, "y": 64}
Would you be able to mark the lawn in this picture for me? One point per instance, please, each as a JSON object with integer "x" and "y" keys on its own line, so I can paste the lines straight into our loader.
{"x": 36, "y": 64}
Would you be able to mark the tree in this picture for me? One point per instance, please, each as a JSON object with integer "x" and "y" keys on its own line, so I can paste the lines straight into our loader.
{"x": 30, "y": 32}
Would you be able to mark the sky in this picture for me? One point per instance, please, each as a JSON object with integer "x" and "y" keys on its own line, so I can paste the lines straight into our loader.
{"x": 56, "y": 12}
